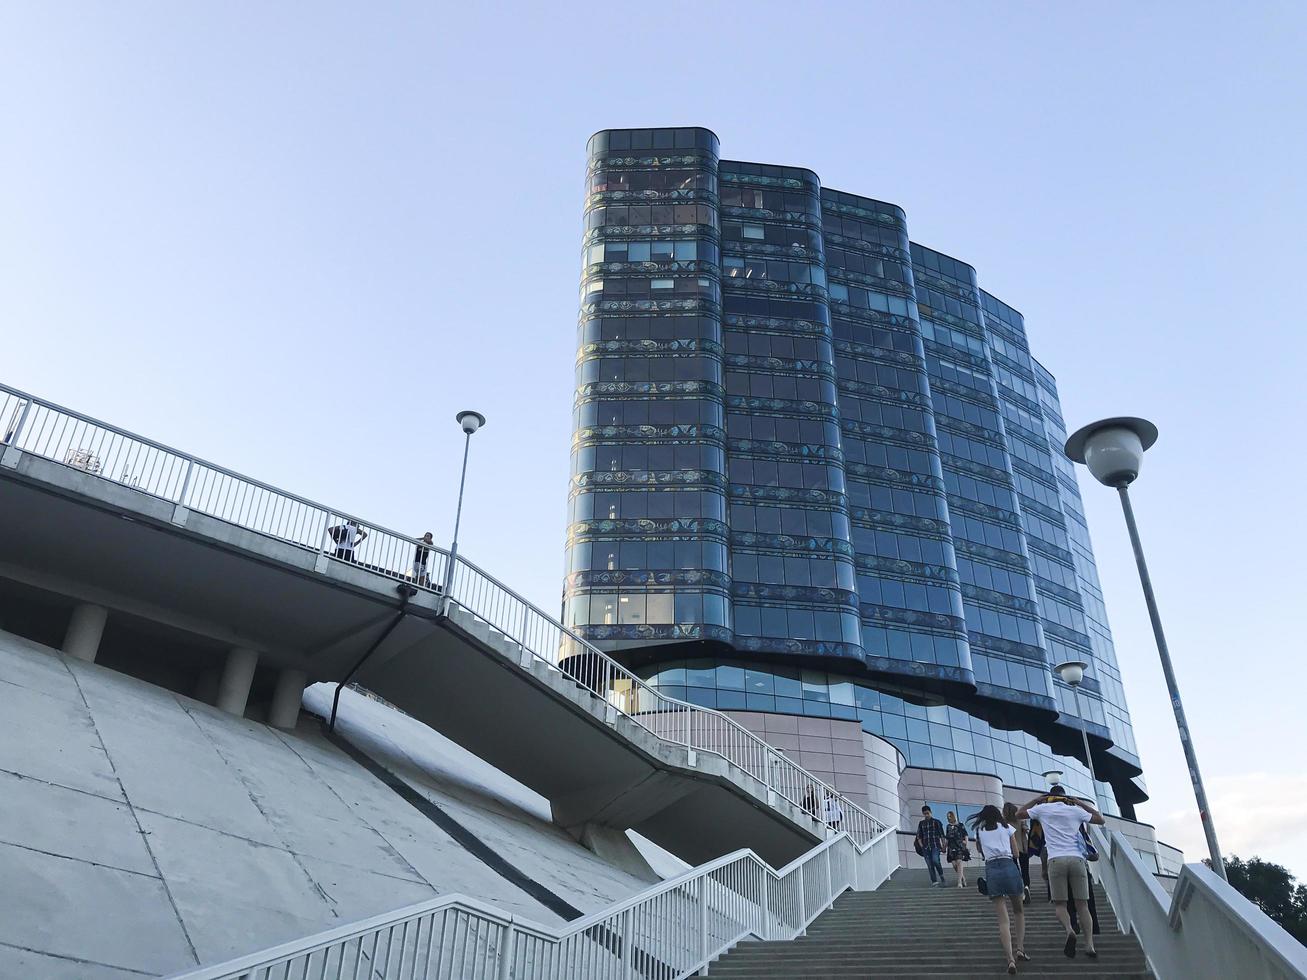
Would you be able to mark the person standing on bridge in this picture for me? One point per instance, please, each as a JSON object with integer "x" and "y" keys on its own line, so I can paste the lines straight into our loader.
{"x": 930, "y": 836}
{"x": 832, "y": 812}
{"x": 1062, "y": 816}
{"x": 347, "y": 536}
{"x": 996, "y": 840}
{"x": 420, "y": 556}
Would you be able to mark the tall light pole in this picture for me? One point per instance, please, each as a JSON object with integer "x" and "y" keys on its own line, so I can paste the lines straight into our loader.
{"x": 470, "y": 421}
{"x": 1072, "y": 673}
{"x": 1113, "y": 449}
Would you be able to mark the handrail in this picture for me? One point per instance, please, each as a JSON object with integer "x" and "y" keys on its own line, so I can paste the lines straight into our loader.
{"x": 667, "y": 931}
{"x": 193, "y": 484}
{"x": 1204, "y": 929}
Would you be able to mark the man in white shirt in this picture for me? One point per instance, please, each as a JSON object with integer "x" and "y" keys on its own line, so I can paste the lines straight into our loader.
{"x": 1062, "y": 816}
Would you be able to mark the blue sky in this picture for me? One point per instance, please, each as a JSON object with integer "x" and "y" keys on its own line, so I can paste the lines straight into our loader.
{"x": 297, "y": 238}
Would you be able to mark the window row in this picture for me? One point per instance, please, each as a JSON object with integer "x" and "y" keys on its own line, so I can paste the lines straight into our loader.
{"x": 753, "y": 268}
{"x": 795, "y": 521}
{"x": 1022, "y": 417}
{"x": 959, "y": 374}
{"x": 867, "y": 265}
{"x": 972, "y": 449}
{"x": 666, "y": 326}
{"x": 659, "y": 181}
{"x": 885, "y": 375}
{"x": 1056, "y": 611}
{"x": 816, "y": 573}
{"x": 612, "y": 505}
{"x": 654, "y": 608}
{"x": 977, "y": 531}
{"x": 868, "y": 299}
{"x": 633, "y": 368}
{"x": 737, "y": 196}
{"x": 768, "y": 428}
{"x": 653, "y": 139}
{"x": 793, "y": 623}
{"x": 1036, "y": 456}
{"x": 780, "y": 307}
{"x": 877, "y": 232}
{"x": 874, "y": 412}
{"x": 1013, "y": 381}
{"x": 650, "y": 411}
{"x": 786, "y": 473}
{"x": 968, "y": 411}
{"x": 681, "y": 250}
{"x": 770, "y": 233}
{"x": 909, "y": 595}
{"x": 782, "y": 345}
{"x": 648, "y": 457}
{"x": 933, "y": 301}
{"x": 651, "y": 214}
{"x": 1052, "y": 571}
{"x": 1004, "y": 346}
{"x": 1013, "y": 676}
{"x": 748, "y": 384}
{"x": 995, "y": 578}
{"x": 874, "y": 496}
{"x": 933, "y": 261}
{"x": 914, "y": 647}
{"x": 638, "y": 287}
{"x": 857, "y": 332}
{"x": 652, "y": 555}
{"x": 994, "y": 622}
{"x": 886, "y": 455}
{"x": 981, "y": 491}
{"x": 946, "y": 336}
{"x": 1037, "y": 527}
{"x": 907, "y": 547}
{"x": 1035, "y": 490}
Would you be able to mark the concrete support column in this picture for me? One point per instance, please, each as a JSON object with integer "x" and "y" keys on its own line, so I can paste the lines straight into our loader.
{"x": 82, "y": 640}
{"x": 237, "y": 675}
{"x": 286, "y": 698}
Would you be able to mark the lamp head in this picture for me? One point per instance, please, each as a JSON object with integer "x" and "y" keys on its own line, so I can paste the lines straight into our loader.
{"x": 1112, "y": 448}
{"x": 1072, "y": 672}
{"x": 470, "y": 421}
{"x": 1053, "y": 776}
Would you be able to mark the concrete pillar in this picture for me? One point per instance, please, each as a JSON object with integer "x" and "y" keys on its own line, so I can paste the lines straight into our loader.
{"x": 285, "y": 710}
{"x": 234, "y": 687}
{"x": 82, "y": 640}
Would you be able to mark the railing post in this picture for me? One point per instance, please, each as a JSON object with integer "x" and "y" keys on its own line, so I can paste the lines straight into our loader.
{"x": 180, "y": 509}
{"x": 506, "y": 951}
{"x": 12, "y": 453}
{"x": 802, "y": 924}
{"x": 766, "y": 902}
{"x": 703, "y": 920}
{"x": 628, "y": 939}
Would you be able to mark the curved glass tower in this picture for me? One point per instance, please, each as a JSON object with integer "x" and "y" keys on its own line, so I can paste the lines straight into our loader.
{"x": 816, "y": 473}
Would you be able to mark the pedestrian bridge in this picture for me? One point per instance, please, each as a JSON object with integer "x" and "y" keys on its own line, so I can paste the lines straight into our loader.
{"x": 127, "y": 527}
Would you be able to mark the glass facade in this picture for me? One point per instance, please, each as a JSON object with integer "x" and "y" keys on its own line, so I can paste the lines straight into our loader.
{"x": 815, "y": 470}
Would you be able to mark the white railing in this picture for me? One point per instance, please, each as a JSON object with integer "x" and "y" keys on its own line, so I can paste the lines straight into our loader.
{"x": 31, "y": 425}
{"x": 1204, "y": 929}
{"x": 668, "y": 931}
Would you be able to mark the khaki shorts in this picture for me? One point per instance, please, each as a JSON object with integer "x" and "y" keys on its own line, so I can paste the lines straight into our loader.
{"x": 1068, "y": 874}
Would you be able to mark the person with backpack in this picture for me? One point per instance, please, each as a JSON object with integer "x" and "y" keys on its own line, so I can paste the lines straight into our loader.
{"x": 1062, "y": 816}
{"x": 996, "y": 841}
{"x": 956, "y": 853}
{"x": 347, "y": 536}
{"x": 930, "y": 836}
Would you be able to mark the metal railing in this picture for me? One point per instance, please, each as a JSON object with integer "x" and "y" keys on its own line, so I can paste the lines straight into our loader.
{"x": 31, "y": 425}
{"x": 666, "y": 932}
{"x": 1203, "y": 929}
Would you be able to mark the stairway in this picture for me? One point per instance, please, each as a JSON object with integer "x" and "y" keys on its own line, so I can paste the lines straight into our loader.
{"x": 907, "y": 929}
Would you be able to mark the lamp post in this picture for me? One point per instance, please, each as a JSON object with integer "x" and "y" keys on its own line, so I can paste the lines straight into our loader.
{"x": 1113, "y": 449}
{"x": 470, "y": 421}
{"x": 1072, "y": 673}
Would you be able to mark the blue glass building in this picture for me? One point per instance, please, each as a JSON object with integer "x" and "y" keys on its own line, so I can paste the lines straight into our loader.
{"x": 817, "y": 472}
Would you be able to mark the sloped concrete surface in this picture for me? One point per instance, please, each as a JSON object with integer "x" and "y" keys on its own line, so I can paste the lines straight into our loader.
{"x": 142, "y": 832}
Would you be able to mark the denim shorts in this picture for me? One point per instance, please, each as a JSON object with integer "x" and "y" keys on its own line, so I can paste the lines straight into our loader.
{"x": 1003, "y": 878}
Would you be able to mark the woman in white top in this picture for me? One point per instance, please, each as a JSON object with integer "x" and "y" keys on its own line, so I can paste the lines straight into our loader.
{"x": 996, "y": 840}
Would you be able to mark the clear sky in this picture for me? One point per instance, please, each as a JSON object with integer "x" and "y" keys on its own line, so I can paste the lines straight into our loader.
{"x": 297, "y": 238}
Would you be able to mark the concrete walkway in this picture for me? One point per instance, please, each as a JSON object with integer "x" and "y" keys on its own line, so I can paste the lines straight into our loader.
{"x": 142, "y": 832}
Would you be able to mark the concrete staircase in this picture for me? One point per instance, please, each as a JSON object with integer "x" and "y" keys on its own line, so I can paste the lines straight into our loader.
{"x": 906, "y": 929}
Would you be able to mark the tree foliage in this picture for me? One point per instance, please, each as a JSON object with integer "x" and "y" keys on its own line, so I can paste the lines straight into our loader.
{"x": 1272, "y": 888}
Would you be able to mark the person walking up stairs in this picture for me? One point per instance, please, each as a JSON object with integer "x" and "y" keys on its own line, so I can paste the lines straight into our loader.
{"x": 906, "y": 929}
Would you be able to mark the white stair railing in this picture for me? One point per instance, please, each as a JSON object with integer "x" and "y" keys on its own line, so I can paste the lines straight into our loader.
{"x": 1205, "y": 929}
{"x": 666, "y": 932}
{"x": 32, "y": 425}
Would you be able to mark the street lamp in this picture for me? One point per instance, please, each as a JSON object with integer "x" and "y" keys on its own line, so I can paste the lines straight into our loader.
{"x": 1072, "y": 673}
{"x": 470, "y": 421}
{"x": 1112, "y": 449}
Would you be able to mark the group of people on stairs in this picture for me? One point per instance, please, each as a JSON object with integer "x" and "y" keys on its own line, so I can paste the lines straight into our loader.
{"x": 1053, "y": 827}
